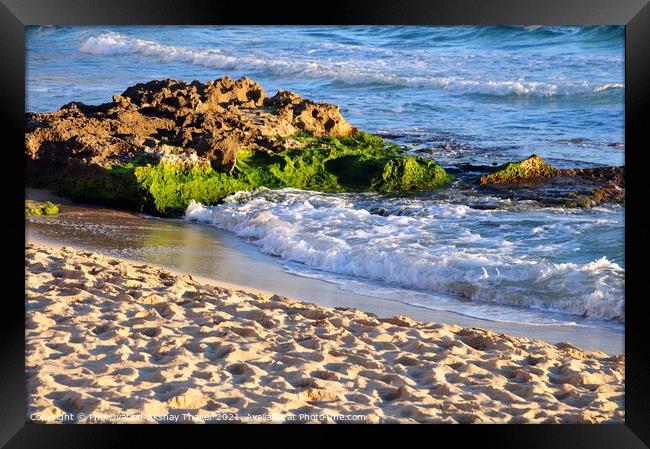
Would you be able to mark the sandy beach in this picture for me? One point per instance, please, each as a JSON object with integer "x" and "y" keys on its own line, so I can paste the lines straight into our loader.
{"x": 114, "y": 341}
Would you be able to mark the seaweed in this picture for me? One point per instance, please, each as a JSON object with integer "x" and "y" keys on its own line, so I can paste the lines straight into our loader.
{"x": 360, "y": 162}
{"x": 530, "y": 169}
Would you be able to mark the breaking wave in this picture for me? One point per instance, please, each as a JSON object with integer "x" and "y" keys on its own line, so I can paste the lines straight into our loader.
{"x": 437, "y": 252}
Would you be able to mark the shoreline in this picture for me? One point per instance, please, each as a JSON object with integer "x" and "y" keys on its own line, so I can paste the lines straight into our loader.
{"x": 126, "y": 338}
{"x": 196, "y": 248}
{"x": 594, "y": 338}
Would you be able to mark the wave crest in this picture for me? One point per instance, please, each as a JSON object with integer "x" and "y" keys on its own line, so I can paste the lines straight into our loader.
{"x": 328, "y": 233}
{"x": 351, "y": 72}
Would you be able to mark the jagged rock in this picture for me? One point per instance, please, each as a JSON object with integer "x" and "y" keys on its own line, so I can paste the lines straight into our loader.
{"x": 215, "y": 119}
{"x": 607, "y": 184}
{"x": 222, "y": 153}
{"x": 212, "y": 96}
{"x": 318, "y": 119}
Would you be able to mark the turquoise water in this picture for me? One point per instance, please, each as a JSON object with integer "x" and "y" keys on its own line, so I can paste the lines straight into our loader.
{"x": 465, "y": 94}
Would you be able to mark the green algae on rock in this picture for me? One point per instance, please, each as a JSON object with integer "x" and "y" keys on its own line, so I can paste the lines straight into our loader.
{"x": 40, "y": 208}
{"x": 360, "y": 162}
{"x": 532, "y": 168}
{"x": 534, "y": 179}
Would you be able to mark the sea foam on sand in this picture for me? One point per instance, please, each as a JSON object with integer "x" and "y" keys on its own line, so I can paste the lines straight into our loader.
{"x": 113, "y": 341}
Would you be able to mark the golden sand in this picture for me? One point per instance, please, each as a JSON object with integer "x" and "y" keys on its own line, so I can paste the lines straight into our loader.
{"x": 112, "y": 341}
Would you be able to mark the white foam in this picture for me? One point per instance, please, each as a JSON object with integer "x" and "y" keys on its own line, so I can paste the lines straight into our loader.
{"x": 432, "y": 253}
{"x": 348, "y": 71}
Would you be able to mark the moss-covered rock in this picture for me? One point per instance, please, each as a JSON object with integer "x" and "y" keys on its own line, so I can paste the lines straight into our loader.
{"x": 361, "y": 162}
{"x": 535, "y": 180}
{"x": 114, "y": 186}
{"x": 530, "y": 169}
{"x": 412, "y": 173}
{"x": 40, "y": 208}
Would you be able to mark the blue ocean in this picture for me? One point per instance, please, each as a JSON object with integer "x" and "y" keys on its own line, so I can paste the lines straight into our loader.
{"x": 459, "y": 94}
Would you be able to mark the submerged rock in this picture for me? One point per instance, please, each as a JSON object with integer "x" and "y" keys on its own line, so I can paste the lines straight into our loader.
{"x": 532, "y": 168}
{"x": 535, "y": 179}
{"x": 593, "y": 186}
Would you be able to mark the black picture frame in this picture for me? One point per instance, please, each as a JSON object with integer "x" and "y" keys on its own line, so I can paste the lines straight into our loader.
{"x": 634, "y": 14}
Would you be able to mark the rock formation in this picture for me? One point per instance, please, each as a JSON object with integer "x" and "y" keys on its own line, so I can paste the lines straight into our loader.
{"x": 530, "y": 169}
{"x": 213, "y": 119}
{"x": 162, "y": 143}
{"x": 535, "y": 179}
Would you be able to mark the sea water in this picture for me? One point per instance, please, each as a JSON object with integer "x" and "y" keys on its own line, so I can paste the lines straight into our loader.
{"x": 467, "y": 94}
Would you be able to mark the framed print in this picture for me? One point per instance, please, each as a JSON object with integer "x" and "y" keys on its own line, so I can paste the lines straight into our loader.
{"x": 423, "y": 214}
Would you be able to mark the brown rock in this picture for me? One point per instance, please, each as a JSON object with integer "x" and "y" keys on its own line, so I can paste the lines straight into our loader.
{"x": 222, "y": 153}
{"x": 317, "y": 118}
{"x": 534, "y": 179}
{"x": 216, "y": 119}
